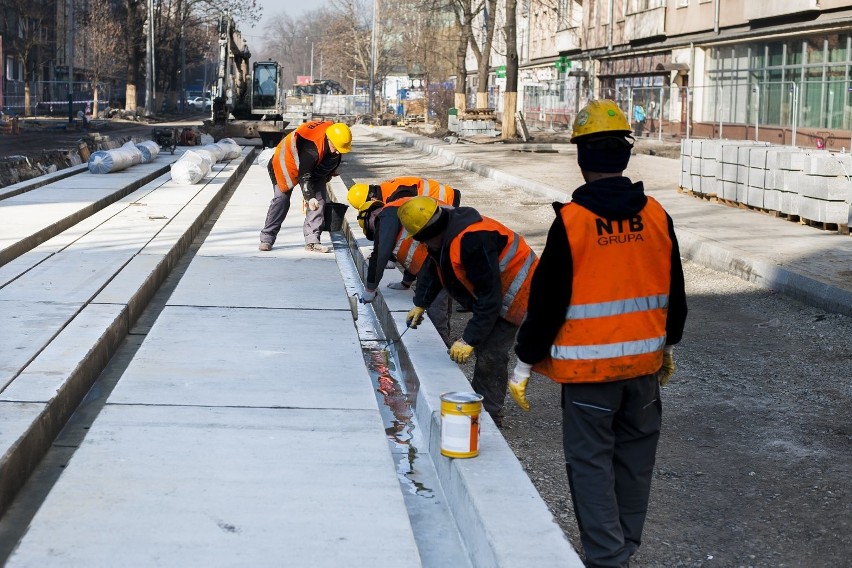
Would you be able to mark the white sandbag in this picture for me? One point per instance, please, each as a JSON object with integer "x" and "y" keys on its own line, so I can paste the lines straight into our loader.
{"x": 107, "y": 161}
{"x": 190, "y": 168}
{"x": 264, "y": 157}
{"x": 206, "y": 139}
{"x": 215, "y": 150}
{"x": 149, "y": 150}
{"x": 134, "y": 152}
{"x": 232, "y": 149}
{"x": 207, "y": 155}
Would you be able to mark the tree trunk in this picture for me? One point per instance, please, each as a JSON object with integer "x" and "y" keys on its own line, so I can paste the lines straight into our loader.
{"x": 96, "y": 92}
{"x": 27, "y": 104}
{"x": 460, "y": 98}
{"x": 510, "y": 97}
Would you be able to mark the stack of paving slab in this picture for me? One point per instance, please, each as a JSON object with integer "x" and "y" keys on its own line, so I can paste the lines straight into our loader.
{"x": 815, "y": 185}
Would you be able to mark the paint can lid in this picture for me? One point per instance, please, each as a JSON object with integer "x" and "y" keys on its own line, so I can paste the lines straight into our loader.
{"x": 461, "y": 397}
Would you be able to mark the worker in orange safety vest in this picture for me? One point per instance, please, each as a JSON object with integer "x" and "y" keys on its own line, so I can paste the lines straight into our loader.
{"x": 308, "y": 157}
{"x": 487, "y": 268}
{"x": 402, "y": 186}
{"x": 607, "y": 303}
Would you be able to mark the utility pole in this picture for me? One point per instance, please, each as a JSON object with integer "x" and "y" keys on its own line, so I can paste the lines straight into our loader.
{"x": 373, "y": 51}
{"x": 69, "y": 33}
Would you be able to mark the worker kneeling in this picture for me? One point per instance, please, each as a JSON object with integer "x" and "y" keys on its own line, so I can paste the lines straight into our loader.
{"x": 603, "y": 316}
{"x": 487, "y": 269}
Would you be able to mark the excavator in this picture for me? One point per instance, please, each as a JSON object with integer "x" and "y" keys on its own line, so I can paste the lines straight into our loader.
{"x": 245, "y": 104}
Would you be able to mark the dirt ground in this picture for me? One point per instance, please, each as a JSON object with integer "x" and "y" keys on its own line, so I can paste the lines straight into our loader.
{"x": 753, "y": 467}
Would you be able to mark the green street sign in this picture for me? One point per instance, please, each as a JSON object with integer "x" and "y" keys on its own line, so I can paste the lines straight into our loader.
{"x": 501, "y": 72}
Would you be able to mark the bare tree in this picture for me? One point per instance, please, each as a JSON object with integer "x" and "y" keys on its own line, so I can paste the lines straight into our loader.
{"x": 483, "y": 54}
{"x": 30, "y": 44}
{"x": 510, "y": 97}
{"x": 464, "y": 11}
{"x": 100, "y": 46}
{"x": 134, "y": 50}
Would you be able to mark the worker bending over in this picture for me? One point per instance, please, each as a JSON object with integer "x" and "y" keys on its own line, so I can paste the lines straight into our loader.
{"x": 485, "y": 267}
{"x": 309, "y": 156}
{"x": 403, "y": 186}
{"x": 391, "y": 241}
{"x": 607, "y": 304}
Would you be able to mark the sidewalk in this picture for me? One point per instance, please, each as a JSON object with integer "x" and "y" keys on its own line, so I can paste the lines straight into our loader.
{"x": 805, "y": 263}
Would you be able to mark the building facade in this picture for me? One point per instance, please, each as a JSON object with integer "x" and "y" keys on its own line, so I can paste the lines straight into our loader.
{"x": 777, "y": 71}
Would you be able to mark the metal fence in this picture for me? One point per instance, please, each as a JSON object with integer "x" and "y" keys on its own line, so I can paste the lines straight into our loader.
{"x": 50, "y": 98}
{"x": 553, "y": 104}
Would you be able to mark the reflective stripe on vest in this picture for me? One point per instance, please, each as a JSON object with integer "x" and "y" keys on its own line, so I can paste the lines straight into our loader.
{"x": 286, "y": 158}
{"x": 430, "y": 187}
{"x": 410, "y": 253}
{"x": 517, "y": 263}
{"x": 615, "y": 326}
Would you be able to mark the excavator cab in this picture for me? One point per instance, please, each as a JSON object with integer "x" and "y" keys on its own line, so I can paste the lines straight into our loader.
{"x": 265, "y": 91}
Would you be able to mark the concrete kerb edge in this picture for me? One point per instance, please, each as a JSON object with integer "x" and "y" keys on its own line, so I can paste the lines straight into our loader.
{"x": 29, "y": 185}
{"x": 765, "y": 275}
{"x": 20, "y": 460}
{"x": 423, "y": 144}
{"x": 488, "y": 543}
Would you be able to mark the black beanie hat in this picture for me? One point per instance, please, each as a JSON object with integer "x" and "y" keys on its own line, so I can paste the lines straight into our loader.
{"x": 607, "y": 154}
{"x": 434, "y": 227}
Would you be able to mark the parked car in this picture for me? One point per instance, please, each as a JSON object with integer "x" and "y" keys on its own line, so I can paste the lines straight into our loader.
{"x": 200, "y": 103}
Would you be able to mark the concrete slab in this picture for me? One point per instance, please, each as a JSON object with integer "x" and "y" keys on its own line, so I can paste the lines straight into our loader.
{"x": 26, "y": 327}
{"x": 71, "y": 277}
{"x": 246, "y": 357}
{"x": 233, "y": 498}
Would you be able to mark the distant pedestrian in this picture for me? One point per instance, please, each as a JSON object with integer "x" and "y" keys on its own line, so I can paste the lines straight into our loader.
{"x": 607, "y": 303}
{"x": 638, "y": 118}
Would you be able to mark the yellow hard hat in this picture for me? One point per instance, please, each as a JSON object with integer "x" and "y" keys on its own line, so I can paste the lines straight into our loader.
{"x": 416, "y": 213}
{"x": 340, "y": 137}
{"x": 600, "y": 116}
{"x": 357, "y": 195}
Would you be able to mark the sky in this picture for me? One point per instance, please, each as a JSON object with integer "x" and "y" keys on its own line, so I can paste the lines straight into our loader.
{"x": 272, "y": 8}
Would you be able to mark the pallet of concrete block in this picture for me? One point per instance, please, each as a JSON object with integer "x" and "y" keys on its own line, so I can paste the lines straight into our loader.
{"x": 825, "y": 190}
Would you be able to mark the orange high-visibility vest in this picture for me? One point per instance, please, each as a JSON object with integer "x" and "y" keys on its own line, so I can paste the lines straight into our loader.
{"x": 615, "y": 325}
{"x": 517, "y": 264}
{"x": 285, "y": 160}
{"x": 440, "y": 191}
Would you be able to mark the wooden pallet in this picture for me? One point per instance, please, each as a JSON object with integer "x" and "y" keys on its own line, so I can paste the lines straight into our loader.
{"x": 839, "y": 228}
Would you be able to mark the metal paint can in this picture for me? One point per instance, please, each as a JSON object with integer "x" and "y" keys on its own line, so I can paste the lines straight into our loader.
{"x": 460, "y": 424}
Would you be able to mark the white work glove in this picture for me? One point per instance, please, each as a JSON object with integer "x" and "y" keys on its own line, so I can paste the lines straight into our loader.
{"x": 313, "y": 204}
{"x": 399, "y": 286}
{"x": 368, "y": 296}
{"x": 518, "y": 384}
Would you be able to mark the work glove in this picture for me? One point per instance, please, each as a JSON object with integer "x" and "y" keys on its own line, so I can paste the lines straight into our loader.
{"x": 390, "y": 264}
{"x": 518, "y": 384}
{"x": 313, "y": 204}
{"x": 668, "y": 368}
{"x": 399, "y": 285}
{"x": 460, "y": 351}
{"x": 414, "y": 317}
{"x": 368, "y": 296}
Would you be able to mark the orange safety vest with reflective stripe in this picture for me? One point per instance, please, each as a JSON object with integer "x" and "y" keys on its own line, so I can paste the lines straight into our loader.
{"x": 440, "y": 191}
{"x": 517, "y": 264}
{"x": 615, "y": 325}
{"x": 408, "y": 252}
{"x": 285, "y": 160}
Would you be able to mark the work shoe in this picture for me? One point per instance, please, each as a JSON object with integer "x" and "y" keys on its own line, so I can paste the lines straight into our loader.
{"x": 316, "y": 247}
{"x": 264, "y": 246}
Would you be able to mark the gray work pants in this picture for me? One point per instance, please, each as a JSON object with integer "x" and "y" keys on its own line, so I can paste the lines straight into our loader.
{"x": 277, "y": 212}
{"x": 491, "y": 370}
{"x": 610, "y": 433}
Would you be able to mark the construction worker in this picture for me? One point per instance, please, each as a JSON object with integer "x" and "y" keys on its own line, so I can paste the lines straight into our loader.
{"x": 403, "y": 186}
{"x": 309, "y": 156}
{"x": 607, "y": 303}
{"x": 485, "y": 267}
{"x": 381, "y": 225}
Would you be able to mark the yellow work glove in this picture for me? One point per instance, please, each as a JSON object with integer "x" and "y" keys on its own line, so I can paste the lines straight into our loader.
{"x": 518, "y": 384}
{"x": 460, "y": 351}
{"x": 668, "y": 368}
{"x": 414, "y": 317}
